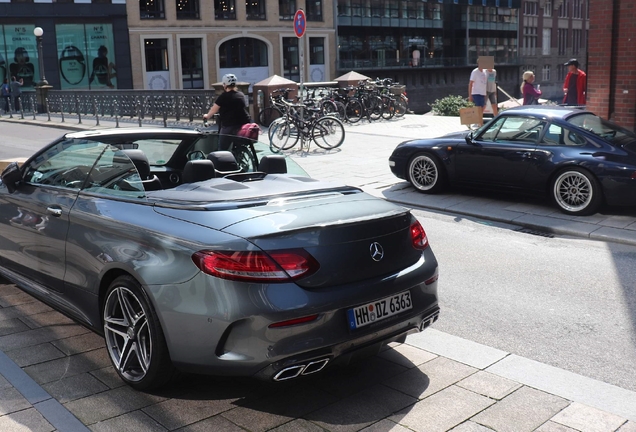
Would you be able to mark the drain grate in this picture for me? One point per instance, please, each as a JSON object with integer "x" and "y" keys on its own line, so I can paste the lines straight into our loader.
{"x": 535, "y": 232}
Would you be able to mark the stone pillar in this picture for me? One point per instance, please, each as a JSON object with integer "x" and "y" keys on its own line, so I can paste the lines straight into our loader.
{"x": 41, "y": 93}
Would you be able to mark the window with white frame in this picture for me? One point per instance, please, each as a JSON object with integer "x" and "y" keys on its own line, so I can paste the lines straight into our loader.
{"x": 529, "y": 40}
{"x": 547, "y": 41}
{"x": 576, "y": 41}
{"x": 531, "y": 8}
{"x": 564, "y": 9}
{"x": 577, "y": 9}
{"x": 547, "y": 8}
{"x": 545, "y": 73}
{"x": 562, "y": 40}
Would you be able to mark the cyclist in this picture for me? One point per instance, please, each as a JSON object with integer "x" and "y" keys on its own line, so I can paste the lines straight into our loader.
{"x": 232, "y": 110}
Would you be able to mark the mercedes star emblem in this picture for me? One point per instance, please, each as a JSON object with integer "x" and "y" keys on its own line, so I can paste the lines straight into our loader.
{"x": 377, "y": 253}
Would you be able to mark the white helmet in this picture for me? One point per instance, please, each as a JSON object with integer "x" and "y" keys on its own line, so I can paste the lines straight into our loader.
{"x": 229, "y": 80}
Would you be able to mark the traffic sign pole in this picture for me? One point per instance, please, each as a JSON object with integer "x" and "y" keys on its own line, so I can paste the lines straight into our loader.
{"x": 300, "y": 25}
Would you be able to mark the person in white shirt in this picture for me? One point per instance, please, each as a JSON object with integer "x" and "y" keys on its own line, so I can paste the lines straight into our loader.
{"x": 477, "y": 91}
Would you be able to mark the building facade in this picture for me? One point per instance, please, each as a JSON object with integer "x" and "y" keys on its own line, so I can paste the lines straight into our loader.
{"x": 430, "y": 46}
{"x": 611, "y": 84}
{"x": 551, "y": 33}
{"x": 84, "y": 43}
{"x": 191, "y": 44}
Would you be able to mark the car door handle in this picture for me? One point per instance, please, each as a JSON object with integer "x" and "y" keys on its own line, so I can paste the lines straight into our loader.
{"x": 526, "y": 154}
{"x": 54, "y": 211}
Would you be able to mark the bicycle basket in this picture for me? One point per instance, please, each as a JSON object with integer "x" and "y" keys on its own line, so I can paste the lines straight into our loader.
{"x": 397, "y": 89}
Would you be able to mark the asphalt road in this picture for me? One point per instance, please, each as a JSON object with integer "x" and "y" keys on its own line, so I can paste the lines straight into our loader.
{"x": 570, "y": 303}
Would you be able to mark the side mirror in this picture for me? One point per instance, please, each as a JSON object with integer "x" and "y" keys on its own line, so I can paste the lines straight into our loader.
{"x": 11, "y": 176}
{"x": 469, "y": 138}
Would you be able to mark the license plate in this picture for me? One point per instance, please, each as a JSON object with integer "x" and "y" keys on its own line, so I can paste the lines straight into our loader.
{"x": 378, "y": 310}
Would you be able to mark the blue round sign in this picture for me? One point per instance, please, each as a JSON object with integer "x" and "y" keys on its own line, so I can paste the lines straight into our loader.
{"x": 300, "y": 23}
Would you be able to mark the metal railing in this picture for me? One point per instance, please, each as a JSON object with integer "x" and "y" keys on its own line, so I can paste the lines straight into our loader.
{"x": 143, "y": 106}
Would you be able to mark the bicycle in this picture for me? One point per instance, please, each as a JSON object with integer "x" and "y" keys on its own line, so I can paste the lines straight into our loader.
{"x": 326, "y": 131}
{"x": 276, "y": 108}
{"x": 366, "y": 103}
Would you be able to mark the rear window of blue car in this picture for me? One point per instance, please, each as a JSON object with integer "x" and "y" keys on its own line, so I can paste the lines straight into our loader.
{"x": 607, "y": 130}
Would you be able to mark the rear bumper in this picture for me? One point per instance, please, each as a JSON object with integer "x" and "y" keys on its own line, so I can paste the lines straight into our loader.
{"x": 346, "y": 352}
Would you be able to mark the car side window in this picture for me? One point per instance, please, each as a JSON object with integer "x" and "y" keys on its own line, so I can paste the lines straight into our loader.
{"x": 558, "y": 135}
{"x": 115, "y": 174}
{"x": 520, "y": 129}
{"x": 65, "y": 164}
{"x": 491, "y": 133}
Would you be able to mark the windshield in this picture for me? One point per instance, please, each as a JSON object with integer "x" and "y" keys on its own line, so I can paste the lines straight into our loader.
{"x": 607, "y": 130}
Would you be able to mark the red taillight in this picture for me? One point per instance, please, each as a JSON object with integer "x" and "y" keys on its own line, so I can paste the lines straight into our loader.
{"x": 294, "y": 321}
{"x": 256, "y": 266}
{"x": 418, "y": 236}
{"x": 634, "y": 175}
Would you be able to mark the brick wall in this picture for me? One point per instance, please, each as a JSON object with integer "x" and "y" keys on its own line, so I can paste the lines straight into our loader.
{"x": 611, "y": 86}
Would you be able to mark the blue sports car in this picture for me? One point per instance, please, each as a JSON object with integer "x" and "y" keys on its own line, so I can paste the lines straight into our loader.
{"x": 189, "y": 257}
{"x": 575, "y": 157}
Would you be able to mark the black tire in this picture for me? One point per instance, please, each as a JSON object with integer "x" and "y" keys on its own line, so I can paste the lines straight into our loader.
{"x": 374, "y": 107}
{"x": 388, "y": 108}
{"x": 400, "y": 107}
{"x": 328, "y": 133}
{"x": 283, "y": 136}
{"x": 245, "y": 158}
{"x": 134, "y": 339}
{"x": 268, "y": 115}
{"x": 576, "y": 192}
{"x": 426, "y": 173}
{"x": 353, "y": 111}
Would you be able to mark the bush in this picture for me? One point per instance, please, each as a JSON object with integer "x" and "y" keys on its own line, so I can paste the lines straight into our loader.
{"x": 450, "y": 105}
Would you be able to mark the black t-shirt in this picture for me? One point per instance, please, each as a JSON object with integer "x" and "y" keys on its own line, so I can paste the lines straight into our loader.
{"x": 233, "y": 111}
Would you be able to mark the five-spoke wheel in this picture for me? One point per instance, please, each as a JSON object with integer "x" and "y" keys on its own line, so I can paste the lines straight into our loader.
{"x": 134, "y": 339}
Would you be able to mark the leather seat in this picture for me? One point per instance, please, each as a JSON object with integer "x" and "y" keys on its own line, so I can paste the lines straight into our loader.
{"x": 273, "y": 164}
{"x": 224, "y": 163}
{"x": 198, "y": 170}
{"x": 149, "y": 181}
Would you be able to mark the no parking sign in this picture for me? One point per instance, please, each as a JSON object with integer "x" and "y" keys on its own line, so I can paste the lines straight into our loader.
{"x": 300, "y": 23}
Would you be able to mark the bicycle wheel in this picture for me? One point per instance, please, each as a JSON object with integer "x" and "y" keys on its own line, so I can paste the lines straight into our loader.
{"x": 388, "y": 108}
{"x": 329, "y": 108}
{"x": 400, "y": 107}
{"x": 353, "y": 111}
{"x": 283, "y": 137}
{"x": 328, "y": 132}
{"x": 374, "y": 107}
{"x": 268, "y": 115}
{"x": 245, "y": 158}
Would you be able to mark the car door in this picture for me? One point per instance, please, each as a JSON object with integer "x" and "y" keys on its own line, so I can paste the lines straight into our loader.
{"x": 499, "y": 155}
{"x": 35, "y": 216}
{"x": 558, "y": 144}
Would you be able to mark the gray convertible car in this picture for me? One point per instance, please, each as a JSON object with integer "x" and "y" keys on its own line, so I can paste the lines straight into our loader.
{"x": 186, "y": 258}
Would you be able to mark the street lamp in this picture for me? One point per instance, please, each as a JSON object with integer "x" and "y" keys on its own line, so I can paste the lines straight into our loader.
{"x": 38, "y": 32}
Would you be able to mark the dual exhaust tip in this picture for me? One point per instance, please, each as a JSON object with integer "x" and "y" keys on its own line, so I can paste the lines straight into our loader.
{"x": 301, "y": 369}
{"x": 427, "y": 322}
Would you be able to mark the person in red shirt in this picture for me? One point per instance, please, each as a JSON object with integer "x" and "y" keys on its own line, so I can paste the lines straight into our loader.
{"x": 575, "y": 84}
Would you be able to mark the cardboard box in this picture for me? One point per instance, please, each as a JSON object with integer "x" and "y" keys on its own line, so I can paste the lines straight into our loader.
{"x": 468, "y": 116}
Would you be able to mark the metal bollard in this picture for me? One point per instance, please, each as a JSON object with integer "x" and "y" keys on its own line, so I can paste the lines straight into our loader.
{"x": 116, "y": 107}
{"x": 48, "y": 111}
{"x": 138, "y": 111}
{"x": 96, "y": 112}
{"x": 77, "y": 108}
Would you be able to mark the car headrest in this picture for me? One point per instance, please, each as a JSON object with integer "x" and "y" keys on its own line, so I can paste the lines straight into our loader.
{"x": 224, "y": 162}
{"x": 140, "y": 161}
{"x": 273, "y": 164}
{"x": 198, "y": 170}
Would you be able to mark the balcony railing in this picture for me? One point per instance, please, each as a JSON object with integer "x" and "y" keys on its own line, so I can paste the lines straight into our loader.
{"x": 424, "y": 62}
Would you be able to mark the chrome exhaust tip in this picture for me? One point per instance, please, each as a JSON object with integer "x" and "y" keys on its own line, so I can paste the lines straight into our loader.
{"x": 289, "y": 373}
{"x": 427, "y": 322}
{"x": 315, "y": 366}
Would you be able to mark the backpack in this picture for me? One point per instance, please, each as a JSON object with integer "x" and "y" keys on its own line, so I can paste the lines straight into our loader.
{"x": 5, "y": 90}
{"x": 249, "y": 130}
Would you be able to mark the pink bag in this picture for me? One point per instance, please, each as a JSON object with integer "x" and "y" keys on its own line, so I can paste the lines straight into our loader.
{"x": 249, "y": 130}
